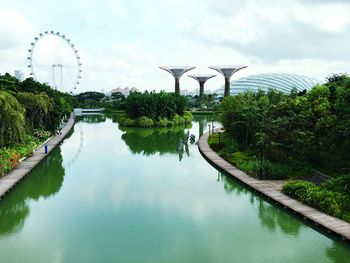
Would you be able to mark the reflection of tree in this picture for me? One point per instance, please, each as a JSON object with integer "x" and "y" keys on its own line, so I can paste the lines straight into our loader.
{"x": 152, "y": 140}
{"x": 270, "y": 216}
{"x": 274, "y": 218}
{"x": 232, "y": 186}
{"x": 204, "y": 120}
{"x": 92, "y": 118}
{"x": 44, "y": 181}
{"x": 338, "y": 253}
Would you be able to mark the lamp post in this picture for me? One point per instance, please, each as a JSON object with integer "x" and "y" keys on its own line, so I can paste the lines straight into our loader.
{"x": 212, "y": 125}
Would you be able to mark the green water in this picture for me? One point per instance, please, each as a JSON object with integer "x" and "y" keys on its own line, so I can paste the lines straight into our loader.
{"x": 129, "y": 195}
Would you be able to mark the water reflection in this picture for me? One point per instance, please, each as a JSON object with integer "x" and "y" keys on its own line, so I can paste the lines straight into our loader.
{"x": 338, "y": 253}
{"x": 271, "y": 217}
{"x": 156, "y": 140}
{"x": 204, "y": 121}
{"x": 91, "y": 118}
{"x": 274, "y": 219}
{"x": 44, "y": 181}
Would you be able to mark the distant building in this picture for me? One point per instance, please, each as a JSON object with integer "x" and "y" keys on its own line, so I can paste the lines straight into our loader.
{"x": 19, "y": 75}
{"x": 125, "y": 91}
{"x": 187, "y": 92}
{"x": 279, "y": 81}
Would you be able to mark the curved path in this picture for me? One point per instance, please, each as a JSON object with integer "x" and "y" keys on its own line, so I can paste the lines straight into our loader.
{"x": 8, "y": 181}
{"x": 272, "y": 190}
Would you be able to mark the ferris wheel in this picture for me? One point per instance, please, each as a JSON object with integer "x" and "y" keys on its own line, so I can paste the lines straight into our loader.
{"x": 54, "y": 60}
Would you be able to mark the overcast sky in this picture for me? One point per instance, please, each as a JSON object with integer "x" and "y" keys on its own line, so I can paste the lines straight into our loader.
{"x": 122, "y": 43}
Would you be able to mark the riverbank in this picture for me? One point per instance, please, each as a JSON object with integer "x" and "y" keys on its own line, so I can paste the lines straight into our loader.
{"x": 272, "y": 190}
{"x": 8, "y": 181}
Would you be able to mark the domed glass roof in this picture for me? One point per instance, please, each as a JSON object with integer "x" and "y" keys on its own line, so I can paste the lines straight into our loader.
{"x": 279, "y": 81}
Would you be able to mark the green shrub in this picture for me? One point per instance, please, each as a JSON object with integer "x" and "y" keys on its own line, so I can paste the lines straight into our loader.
{"x": 188, "y": 117}
{"x": 41, "y": 134}
{"x": 125, "y": 121}
{"x": 143, "y": 121}
{"x": 339, "y": 184}
{"x": 10, "y": 156}
{"x": 269, "y": 169}
{"x": 178, "y": 120}
{"x": 332, "y": 203}
{"x": 163, "y": 122}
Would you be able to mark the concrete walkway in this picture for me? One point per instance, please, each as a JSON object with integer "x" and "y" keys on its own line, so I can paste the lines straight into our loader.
{"x": 272, "y": 190}
{"x": 8, "y": 181}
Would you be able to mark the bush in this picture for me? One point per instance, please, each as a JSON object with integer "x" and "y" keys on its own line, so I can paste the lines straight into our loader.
{"x": 163, "y": 122}
{"x": 188, "y": 117}
{"x": 332, "y": 203}
{"x": 125, "y": 121}
{"x": 178, "y": 120}
{"x": 10, "y": 156}
{"x": 41, "y": 134}
{"x": 339, "y": 184}
{"x": 270, "y": 170}
{"x": 144, "y": 122}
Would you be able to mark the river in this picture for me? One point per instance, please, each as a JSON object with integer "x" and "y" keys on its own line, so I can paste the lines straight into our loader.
{"x": 111, "y": 194}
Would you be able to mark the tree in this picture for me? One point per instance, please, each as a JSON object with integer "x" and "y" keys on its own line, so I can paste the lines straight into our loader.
{"x": 12, "y": 122}
{"x": 8, "y": 83}
{"x": 155, "y": 105}
{"x": 37, "y": 108}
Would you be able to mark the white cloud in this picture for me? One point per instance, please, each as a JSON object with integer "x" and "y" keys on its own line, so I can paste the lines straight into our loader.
{"x": 122, "y": 43}
{"x": 15, "y": 34}
{"x": 14, "y": 27}
{"x": 329, "y": 18}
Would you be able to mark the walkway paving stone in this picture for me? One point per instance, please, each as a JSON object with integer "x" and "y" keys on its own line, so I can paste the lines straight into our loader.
{"x": 272, "y": 190}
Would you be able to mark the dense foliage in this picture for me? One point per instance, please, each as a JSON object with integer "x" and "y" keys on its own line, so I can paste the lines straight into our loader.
{"x": 93, "y": 100}
{"x": 155, "y": 105}
{"x": 244, "y": 159}
{"x": 11, "y": 155}
{"x": 155, "y": 109}
{"x": 308, "y": 128}
{"x": 90, "y": 99}
{"x": 12, "y": 121}
{"x": 331, "y": 197}
{"x": 29, "y": 113}
{"x": 208, "y": 102}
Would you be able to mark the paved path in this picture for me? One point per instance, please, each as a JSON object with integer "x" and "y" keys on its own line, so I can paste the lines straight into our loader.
{"x": 8, "y": 181}
{"x": 272, "y": 190}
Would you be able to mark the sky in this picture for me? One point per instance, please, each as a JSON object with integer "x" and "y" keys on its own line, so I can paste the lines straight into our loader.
{"x": 122, "y": 43}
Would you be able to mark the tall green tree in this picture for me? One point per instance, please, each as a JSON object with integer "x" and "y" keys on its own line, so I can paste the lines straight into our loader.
{"x": 12, "y": 121}
{"x": 37, "y": 108}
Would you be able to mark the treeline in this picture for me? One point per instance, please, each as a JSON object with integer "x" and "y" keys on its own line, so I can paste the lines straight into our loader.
{"x": 155, "y": 109}
{"x": 29, "y": 113}
{"x": 28, "y": 106}
{"x": 93, "y": 99}
{"x": 307, "y": 128}
{"x": 155, "y": 105}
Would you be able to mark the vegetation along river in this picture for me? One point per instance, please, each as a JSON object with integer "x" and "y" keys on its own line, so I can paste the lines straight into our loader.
{"x": 111, "y": 194}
